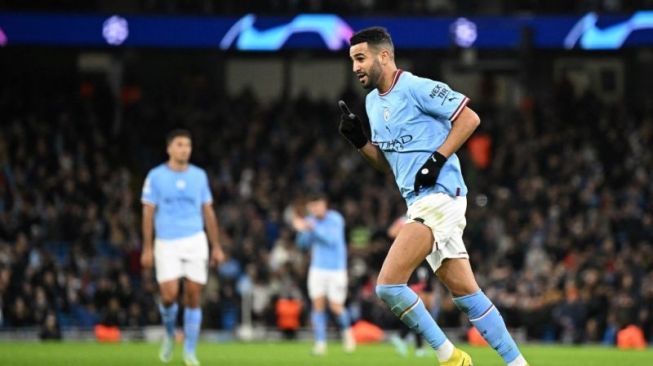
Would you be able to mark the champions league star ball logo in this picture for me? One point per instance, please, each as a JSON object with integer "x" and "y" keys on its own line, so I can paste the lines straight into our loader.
{"x": 386, "y": 114}
{"x": 115, "y": 30}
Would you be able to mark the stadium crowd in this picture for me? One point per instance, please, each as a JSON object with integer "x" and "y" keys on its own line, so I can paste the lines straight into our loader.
{"x": 560, "y": 215}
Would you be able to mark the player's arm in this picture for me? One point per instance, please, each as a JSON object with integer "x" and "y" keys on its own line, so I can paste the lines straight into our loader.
{"x": 326, "y": 231}
{"x": 300, "y": 224}
{"x": 211, "y": 222}
{"x": 304, "y": 239}
{"x": 461, "y": 129}
{"x": 351, "y": 128}
{"x": 211, "y": 225}
{"x": 373, "y": 155}
{"x": 305, "y": 234}
{"x": 147, "y": 255}
{"x": 149, "y": 198}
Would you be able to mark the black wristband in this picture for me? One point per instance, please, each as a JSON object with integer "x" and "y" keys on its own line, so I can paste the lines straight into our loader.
{"x": 438, "y": 159}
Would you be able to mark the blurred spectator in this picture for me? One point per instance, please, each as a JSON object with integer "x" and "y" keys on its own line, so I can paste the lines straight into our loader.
{"x": 50, "y": 329}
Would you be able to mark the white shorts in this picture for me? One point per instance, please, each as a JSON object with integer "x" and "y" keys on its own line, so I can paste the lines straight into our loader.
{"x": 332, "y": 284}
{"x": 185, "y": 257}
{"x": 445, "y": 216}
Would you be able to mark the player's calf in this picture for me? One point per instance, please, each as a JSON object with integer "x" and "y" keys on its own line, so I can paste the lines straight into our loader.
{"x": 192, "y": 325}
{"x": 486, "y": 318}
{"x": 408, "y": 307}
{"x": 344, "y": 322}
{"x": 319, "y": 323}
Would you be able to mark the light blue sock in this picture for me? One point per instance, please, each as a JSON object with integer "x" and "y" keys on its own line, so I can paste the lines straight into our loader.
{"x": 488, "y": 321}
{"x": 343, "y": 320}
{"x": 318, "y": 318}
{"x": 406, "y": 305}
{"x": 192, "y": 325}
{"x": 169, "y": 318}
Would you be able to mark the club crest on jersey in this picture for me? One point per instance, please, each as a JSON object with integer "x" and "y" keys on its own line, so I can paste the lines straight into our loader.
{"x": 181, "y": 184}
{"x": 386, "y": 114}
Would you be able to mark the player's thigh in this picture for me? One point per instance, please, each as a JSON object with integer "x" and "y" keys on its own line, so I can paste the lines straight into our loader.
{"x": 318, "y": 303}
{"x": 457, "y": 275}
{"x": 195, "y": 264}
{"x": 318, "y": 283}
{"x": 337, "y": 288}
{"x": 412, "y": 245}
{"x": 167, "y": 261}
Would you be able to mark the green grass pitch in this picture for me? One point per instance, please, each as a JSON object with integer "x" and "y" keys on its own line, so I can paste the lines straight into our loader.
{"x": 295, "y": 354}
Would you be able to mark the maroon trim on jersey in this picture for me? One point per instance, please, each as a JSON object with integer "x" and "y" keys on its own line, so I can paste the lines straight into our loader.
{"x": 460, "y": 108}
{"x": 394, "y": 82}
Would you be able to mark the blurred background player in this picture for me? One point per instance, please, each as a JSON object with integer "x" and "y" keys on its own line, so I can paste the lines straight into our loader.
{"x": 177, "y": 207}
{"x": 417, "y": 126}
{"x": 421, "y": 283}
{"x": 323, "y": 230}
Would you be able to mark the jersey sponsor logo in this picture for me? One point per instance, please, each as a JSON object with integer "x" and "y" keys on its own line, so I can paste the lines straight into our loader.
{"x": 180, "y": 200}
{"x": 397, "y": 144}
{"x": 442, "y": 92}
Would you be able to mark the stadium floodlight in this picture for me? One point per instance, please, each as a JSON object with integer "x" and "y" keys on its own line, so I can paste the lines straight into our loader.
{"x": 464, "y": 32}
{"x": 115, "y": 30}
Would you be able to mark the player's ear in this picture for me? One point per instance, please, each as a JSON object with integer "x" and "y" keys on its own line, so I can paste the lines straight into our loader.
{"x": 385, "y": 56}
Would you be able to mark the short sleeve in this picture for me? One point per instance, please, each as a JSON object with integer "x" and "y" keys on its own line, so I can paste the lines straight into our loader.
{"x": 207, "y": 197}
{"x": 149, "y": 195}
{"x": 438, "y": 99}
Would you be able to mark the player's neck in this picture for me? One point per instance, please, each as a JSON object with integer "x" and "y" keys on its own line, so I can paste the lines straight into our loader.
{"x": 177, "y": 166}
{"x": 388, "y": 79}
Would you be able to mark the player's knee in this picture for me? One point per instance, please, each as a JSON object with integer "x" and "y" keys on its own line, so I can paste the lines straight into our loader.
{"x": 464, "y": 290}
{"x": 336, "y": 308}
{"x": 167, "y": 301}
{"x": 192, "y": 300}
{"x": 388, "y": 292}
{"x": 384, "y": 278}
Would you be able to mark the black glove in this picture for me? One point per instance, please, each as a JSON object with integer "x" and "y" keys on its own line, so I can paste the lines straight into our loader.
{"x": 351, "y": 127}
{"x": 427, "y": 175}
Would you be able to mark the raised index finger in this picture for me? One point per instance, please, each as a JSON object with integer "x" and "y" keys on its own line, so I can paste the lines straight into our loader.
{"x": 345, "y": 109}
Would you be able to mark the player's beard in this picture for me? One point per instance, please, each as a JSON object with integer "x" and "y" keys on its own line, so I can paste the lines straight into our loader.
{"x": 181, "y": 161}
{"x": 373, "y": 76}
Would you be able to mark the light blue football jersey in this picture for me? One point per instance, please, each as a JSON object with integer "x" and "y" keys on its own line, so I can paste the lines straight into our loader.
{"x": 327, "y": 241}
{"x": 408, "y": 123}
{"x": 178, "y": 197}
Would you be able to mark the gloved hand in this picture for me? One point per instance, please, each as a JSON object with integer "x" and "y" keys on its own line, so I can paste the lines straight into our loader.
{"x": 427, "y": 175}
{"x": 351, "y": 127}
